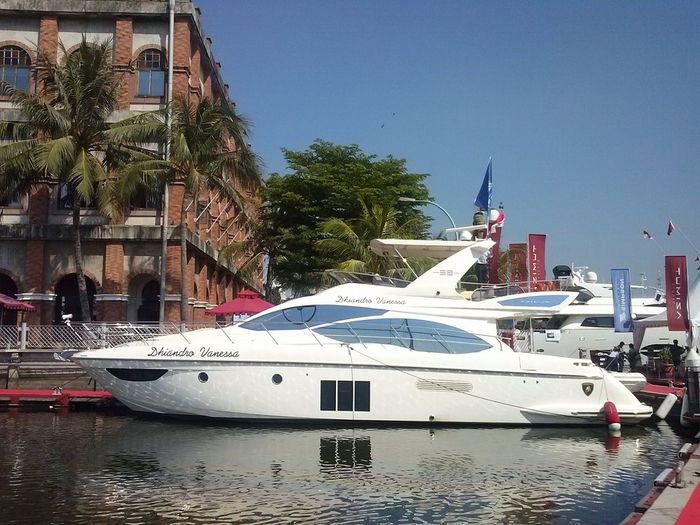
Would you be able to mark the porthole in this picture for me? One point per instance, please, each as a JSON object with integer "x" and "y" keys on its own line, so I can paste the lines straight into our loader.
{"x": 277, "y": 379}
{"x": 203, "y": 377}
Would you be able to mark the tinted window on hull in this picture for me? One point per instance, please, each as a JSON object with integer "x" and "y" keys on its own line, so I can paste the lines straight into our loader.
{"x": 362, "y": 396}
{"x": 137, "y": 374}
{"x": 327, "y": 395}
{"x": 598, "y": 322}
{"x": 345, "y": 396}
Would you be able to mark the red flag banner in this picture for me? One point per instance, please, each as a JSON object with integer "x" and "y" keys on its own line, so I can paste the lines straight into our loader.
{"x": 517, "y": 261}
{"x": 676, "y": 293}
{"x": 535, "y": 257}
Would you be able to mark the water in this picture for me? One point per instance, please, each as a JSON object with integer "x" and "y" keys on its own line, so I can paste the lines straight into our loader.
{"x": 95, "y": 468}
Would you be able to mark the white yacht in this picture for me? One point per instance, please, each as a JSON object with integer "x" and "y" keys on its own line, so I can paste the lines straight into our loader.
{"x": 585, "y": 327}
{"x": 369, "y": 353}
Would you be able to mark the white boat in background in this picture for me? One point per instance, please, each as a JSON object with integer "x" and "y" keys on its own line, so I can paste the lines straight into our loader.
{"x": 585, "y": 327}
{"x": 422, "y": 353}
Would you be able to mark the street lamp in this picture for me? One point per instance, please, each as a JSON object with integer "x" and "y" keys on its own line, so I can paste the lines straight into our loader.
{"x": 411, "y": 199}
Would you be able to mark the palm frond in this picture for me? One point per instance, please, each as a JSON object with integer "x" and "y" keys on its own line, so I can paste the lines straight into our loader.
{"x": 86, "y": 173}
{"x": 56, "y": 156}
{"x": 137, "y": 133}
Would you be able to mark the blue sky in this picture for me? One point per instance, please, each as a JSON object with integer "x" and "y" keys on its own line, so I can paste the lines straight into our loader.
{"x": 591, "y": 111}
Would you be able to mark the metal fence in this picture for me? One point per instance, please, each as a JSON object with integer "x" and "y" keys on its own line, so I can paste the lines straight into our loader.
{"x": 79, "y": 336}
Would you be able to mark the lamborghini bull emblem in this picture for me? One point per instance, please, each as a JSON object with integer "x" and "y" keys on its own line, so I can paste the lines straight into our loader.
{"x": 587, "y": 388}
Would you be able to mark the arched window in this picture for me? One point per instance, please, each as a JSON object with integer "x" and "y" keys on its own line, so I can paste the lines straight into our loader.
{"x": 151, "y": 70}
{"x": 14, "y": 67}
{"x": 68, "y": 298}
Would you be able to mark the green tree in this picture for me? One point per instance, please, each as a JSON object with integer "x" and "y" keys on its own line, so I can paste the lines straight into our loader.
{"x": 327, "y": 181}
{"x": 208, "y": 151}
{"x": 65, "y": 137}
{"x": 348, "y": 240}
{"x": 249, "y": 254}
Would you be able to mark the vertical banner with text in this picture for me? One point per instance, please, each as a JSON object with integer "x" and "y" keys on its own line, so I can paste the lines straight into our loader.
{"x": 622, "y": 301}
{"x": 676, "y": 293}
{"x": 517, "y": 261}
{"x": 535, "y": 257}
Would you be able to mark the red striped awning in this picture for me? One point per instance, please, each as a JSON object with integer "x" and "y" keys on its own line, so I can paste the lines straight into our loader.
{"x": 10, "y": 303}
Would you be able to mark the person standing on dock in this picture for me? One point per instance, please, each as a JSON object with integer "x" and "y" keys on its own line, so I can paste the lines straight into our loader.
{"x": 613, "y": 358}
{"x": 677, "y": 352}
{"x": 650, "y": 358}
{"x": 621, "y": 357}
{"x": 635, "y": 358}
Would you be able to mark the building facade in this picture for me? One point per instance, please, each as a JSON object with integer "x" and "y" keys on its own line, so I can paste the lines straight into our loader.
{"x": 121, "y": 261}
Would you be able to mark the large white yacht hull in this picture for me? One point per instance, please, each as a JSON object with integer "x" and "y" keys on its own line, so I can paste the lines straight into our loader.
{"x": 397, "y": 386}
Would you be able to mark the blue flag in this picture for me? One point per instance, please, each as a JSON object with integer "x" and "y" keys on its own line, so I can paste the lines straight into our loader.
{"x": 483, "y": 199}
{"x": 622, "y": 300}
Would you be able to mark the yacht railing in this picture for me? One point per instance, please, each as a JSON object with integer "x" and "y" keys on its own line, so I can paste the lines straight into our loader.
{"x": 344, "y": 277}
{"x": 477, "y": 291}
{"x": 90, "y": 336}
{"x": 344, "y": 334}
{"x": 83, "y": 336}
{"x": 483, "y": 291}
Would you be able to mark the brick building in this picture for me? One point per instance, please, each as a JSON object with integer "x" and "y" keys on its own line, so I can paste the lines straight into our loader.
{"x": 121, "y": 261}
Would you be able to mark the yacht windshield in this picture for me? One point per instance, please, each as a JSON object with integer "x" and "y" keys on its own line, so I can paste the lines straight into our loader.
{"x": 415, "y": 334}
{"x": 300, "y": 317}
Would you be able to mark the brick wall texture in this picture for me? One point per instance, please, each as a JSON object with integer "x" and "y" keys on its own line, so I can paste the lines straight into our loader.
{"x": 193, "y": 76}
{"x": 123, "y": 43}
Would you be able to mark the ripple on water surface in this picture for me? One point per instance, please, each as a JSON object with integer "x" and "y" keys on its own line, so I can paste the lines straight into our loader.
{"x": 90, "y": 468}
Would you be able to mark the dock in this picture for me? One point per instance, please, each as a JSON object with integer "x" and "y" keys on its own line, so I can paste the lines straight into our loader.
{"x": 53, "y": 398}
{"x": 654, "y": 395}
{"x": 675, "y": 497}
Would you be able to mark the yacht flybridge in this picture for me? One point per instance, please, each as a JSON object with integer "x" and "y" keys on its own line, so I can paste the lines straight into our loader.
{"x": 369, "y": 353}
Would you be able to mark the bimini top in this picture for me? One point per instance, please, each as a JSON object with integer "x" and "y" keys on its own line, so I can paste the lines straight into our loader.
{"x": 442, "y": 279}
{"x": 439, "y": 249}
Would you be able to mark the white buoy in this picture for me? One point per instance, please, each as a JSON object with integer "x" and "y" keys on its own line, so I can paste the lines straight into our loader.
{"x": 684, "y": 409}
{"x": 666, "y": 405}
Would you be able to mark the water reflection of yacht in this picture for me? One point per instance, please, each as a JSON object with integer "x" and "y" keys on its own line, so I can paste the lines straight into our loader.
{"x": 238, "y": 472}
{"x": 362, "y": 352}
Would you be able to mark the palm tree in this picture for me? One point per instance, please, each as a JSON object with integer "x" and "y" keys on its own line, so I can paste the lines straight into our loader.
{"x": 65, "y": 136}
{"x": 208, "y": 151}
{"x": 349, "y": 240}
{"x": 249, "y": 254}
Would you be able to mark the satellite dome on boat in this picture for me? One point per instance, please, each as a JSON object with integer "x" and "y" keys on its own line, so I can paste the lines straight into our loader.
{"x": 591, "y": 277}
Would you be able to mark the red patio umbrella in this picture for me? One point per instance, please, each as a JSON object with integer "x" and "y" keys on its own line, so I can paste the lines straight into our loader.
{"x": 247, "y": 302}
{"x": 10, "y": 303}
